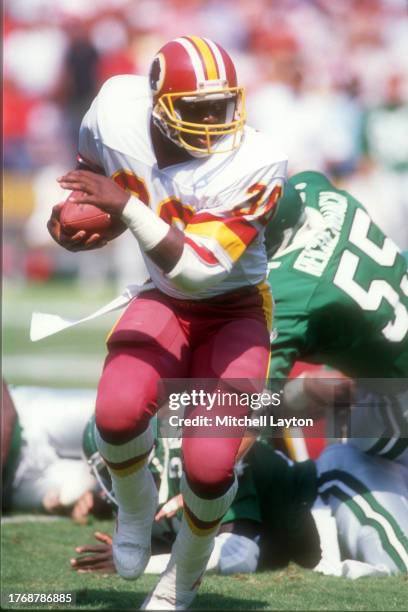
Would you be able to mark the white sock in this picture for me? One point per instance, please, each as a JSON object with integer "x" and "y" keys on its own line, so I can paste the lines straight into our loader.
{"x": 132, "y": 481}
{"x": 193, "y": 546}
{"x": 133, "y": 491}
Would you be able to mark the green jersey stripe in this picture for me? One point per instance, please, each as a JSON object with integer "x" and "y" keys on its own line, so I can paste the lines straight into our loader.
{"x": 379, "y": 445}
{"x": 395, "y": 451}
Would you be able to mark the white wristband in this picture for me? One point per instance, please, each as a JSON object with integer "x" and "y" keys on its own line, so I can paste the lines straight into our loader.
{"x": 144, "y": 224}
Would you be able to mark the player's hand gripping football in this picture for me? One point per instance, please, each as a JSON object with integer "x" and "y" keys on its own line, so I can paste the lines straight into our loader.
{"x": 95, "y": 189}
{"x": 80, "y": 241}
{"x": 88, "y": 188}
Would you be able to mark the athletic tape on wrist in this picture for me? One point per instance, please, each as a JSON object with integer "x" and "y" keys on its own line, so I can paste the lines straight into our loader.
{"x": 144, "y": 224}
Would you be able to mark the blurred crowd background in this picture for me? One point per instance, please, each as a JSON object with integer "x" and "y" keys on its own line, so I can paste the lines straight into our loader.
{"x": 327, "y": 79}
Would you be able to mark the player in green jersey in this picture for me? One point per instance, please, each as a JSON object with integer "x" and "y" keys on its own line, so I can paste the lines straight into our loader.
{"x": 235, "y": 550}
{"x": 340, "y": 286}
{"x": 341, "y": 294}
{"x": 341, "y": 299}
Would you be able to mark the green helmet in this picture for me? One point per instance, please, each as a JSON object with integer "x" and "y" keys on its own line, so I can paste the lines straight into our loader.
{"x": 95, "y": 461}
{"x": 287, "y": 216}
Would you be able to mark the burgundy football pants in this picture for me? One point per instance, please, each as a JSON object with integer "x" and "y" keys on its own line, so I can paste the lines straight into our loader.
{"x": 158, "y": 337}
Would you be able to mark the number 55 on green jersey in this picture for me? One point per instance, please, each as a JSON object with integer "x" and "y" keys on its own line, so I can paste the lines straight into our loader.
{"x": 340, "y": 288}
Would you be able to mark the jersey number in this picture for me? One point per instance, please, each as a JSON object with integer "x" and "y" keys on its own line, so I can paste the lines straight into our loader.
{"x": 171, "y": 210}
{"x": 370, "y": 299}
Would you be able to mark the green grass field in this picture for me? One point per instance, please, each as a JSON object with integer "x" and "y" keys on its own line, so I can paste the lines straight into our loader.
{"x": 35, "y": 555}
{"x": 36, "y": 559}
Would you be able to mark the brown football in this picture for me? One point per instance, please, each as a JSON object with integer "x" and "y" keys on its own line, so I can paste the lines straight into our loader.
{"x": 90, "y": 218}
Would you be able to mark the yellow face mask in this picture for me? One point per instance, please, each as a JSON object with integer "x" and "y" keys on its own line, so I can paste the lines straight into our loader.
{"x": 199, "y": 120}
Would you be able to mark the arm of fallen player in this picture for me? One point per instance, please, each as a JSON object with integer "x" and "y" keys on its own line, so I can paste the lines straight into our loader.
{"x": 106, "y": 546}
{"x": 96, "y": 557}
{"x": 94, "y": 563}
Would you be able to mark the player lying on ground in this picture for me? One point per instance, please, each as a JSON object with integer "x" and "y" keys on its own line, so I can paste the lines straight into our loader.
{"x": 270, "y": 521}
{"x": 196, "y": 188}
{"x": 43, "y": 467}
{"x": 341, "y": 293}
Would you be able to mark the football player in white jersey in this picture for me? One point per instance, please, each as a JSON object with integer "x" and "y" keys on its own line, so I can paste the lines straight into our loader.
{"x": 172, "y": 156}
